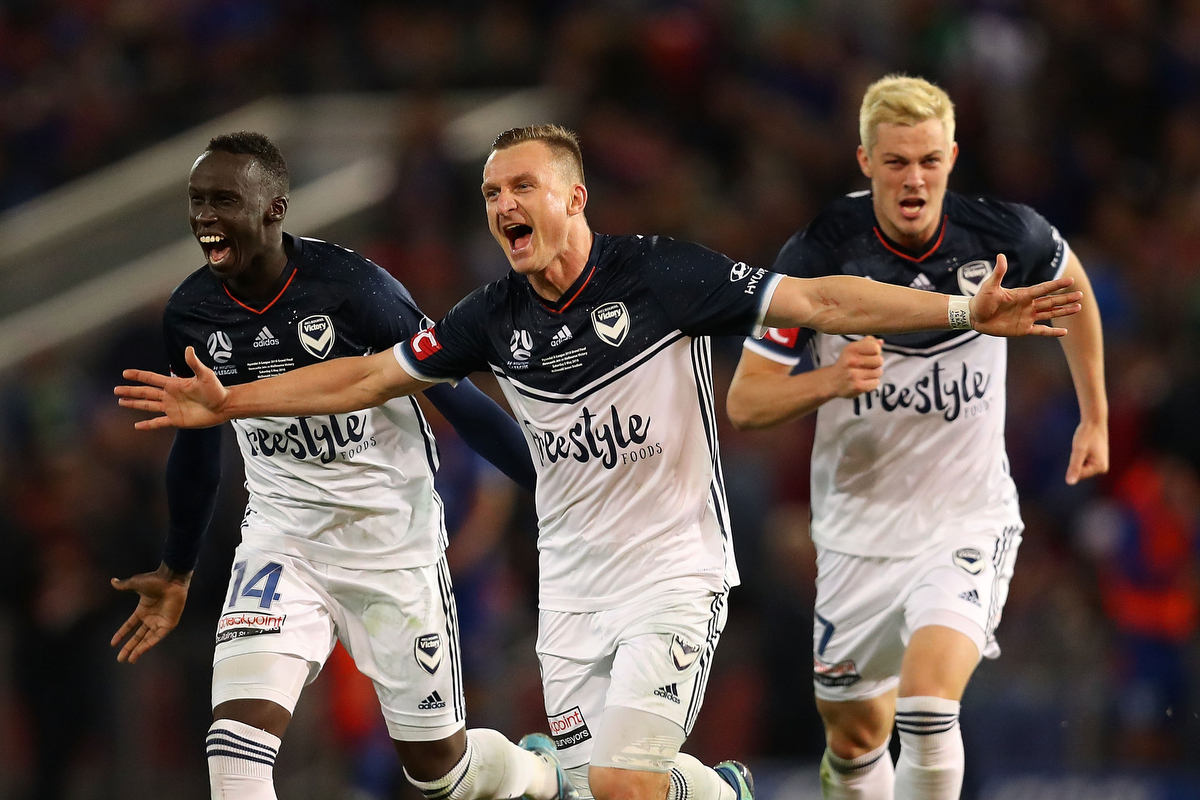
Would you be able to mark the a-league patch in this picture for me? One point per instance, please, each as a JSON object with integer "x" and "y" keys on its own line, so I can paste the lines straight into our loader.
{"x": 970, "y": 559}
{"x": 843, "y": 673}
{"x": 428, "y": 651}
{"x": 569, "y": 728}
{"x": 239, "y": 625}
{"x": 683, "y": 652}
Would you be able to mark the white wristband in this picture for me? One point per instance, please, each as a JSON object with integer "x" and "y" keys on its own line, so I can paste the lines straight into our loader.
{"x": 959, "y": 312}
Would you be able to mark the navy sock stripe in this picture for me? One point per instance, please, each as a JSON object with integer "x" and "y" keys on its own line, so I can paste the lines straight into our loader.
{"x": 222, "y": 732}
{"x": 211, "y": 752}
{"x": 926, "y": 731}
{"x": 446, "y": 791}
{"x": 925, "y": 714}
{"x": 262, "y": 752}
{"x": 941, "y": 721}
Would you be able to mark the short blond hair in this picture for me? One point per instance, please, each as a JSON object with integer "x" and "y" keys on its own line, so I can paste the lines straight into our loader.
{"x": 563, "y": 142}
{"x": 903, "y": 100}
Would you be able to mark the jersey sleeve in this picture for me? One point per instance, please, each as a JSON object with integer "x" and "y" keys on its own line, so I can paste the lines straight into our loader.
{"x": 451, "y": 349}
{"x": 802, "y": 256}
{"x": 706, "y": 293}
{"x": 1043, "y": 251}
{"x": 176, "y": 344}
{"x": 386, "y": 313}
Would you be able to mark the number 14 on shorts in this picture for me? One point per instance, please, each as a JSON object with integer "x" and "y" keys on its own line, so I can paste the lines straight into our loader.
{"x": 261, "y": 586}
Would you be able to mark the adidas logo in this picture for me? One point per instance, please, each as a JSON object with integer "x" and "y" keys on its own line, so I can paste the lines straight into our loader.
{"x": 923, "y": 283}
{"x": 265, "y": 338}
{"x": 971, "y": 597}
{"x": 433, "y": 701}
{"x": 564, "y": 333}
{"x": 669, "y": 692}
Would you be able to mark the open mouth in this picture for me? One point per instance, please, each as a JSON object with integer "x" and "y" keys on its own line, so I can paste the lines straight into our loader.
{"x": 217, "y": 248}
{"x": 910, "y": 207}
{"x": 519, "y": 236}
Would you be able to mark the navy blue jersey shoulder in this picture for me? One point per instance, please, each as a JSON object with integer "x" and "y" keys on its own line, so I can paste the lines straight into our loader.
{"x": 845, "y": 239}
{"x": 634, "y": 296}
{"x": 331, "y": 302}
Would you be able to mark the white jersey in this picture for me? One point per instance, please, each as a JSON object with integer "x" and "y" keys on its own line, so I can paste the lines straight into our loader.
{"x": 613, "y": 386}
{"x": 922, "y": 458}
{"x": 354, "y": 490}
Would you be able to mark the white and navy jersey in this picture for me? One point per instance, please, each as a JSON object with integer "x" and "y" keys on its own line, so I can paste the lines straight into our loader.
{"x": 922, "y": 458}
{"x": 354, "y": 490}
{"x": 613, "y": 387}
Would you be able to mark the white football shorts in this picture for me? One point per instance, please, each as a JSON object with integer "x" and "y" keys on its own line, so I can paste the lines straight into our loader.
{"x": 867, "y": 608}
{"x": 653, "y": 655}
{"x": 399, "y": 626}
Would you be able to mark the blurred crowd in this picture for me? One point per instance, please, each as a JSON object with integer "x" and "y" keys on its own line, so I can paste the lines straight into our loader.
{"x": 729, "y": 122}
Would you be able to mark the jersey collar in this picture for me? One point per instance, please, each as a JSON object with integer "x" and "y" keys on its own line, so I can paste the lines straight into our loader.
{"x": 292, "y": 246}
{"x": 575, "y": 289}
{"x": 915, "y": 256}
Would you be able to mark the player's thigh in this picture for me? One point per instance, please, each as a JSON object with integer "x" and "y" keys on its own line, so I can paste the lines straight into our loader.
{"x": 243, "y": 683}
{"x": 575, "y": 653}
{"x": 856, "y": 727}
{"x": 274, "y": 633}
{"x": 659, "y": 674}
{"x": 401, "y": 628}
{"x": 952, "y": 613}
{"x": 858, "y": 622}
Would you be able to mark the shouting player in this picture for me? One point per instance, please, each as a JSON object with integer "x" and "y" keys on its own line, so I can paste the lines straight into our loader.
{"x": 914, "y": 515}
{"x": 343, "y": 536}
{"x": 601, "y": 346}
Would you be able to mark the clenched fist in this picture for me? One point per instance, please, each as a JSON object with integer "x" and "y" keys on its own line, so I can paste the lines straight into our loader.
{"x": 858, "y": 368}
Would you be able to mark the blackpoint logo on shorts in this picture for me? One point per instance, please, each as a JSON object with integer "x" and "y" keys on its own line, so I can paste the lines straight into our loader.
{"x": 972, "y": 275}
{"x": 239, "y": 625}
{"x": 428, "y": 651}
{"x": 569, "y": 728}
{"x": 970, "y": 559}
{"x": 316, "y": 334}
{"x": 220, "y": 347}
{"x": 843, "y": 673}
{"x": 611, "y": 322}
{"x": 683, "y": 652}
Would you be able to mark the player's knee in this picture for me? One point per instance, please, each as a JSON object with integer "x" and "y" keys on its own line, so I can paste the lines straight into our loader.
{"x": 428, "y": 761}
{"x": 852, "y": 730}
{"x": 610, "y": 783}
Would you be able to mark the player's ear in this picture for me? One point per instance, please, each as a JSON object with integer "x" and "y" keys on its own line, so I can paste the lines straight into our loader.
{"x": 953, "y": 154}
{"x": 864, "y": 161}
{"x": 579, "y": 198}
{"x": 277, "y": 209}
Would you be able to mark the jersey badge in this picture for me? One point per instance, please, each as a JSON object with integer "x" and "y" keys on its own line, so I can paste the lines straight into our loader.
{"x": 683, "y": 652}
{"x": 316, "y": 334}
{"x": 521, "y": 344}
{"x": 425, "y": 344}
{"x": 428, "y": 651}
{"x": 969, "y": 559}
{"x": 611, "y": 322}
{"x": 972, "y": 275}
{"x": 220, "y": 347}
{"x": 739, "y": 271}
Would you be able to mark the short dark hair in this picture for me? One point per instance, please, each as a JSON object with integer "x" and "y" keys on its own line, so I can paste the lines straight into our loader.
{"x": 562, "y": 141}
{"x": 261, "y": 149}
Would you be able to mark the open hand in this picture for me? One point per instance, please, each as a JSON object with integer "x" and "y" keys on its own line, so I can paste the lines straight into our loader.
{"x": 183, "y": 402}
{"x": 163, "y": 595}
{"x": 858, "y": 368}
{"x": 1014, "y": 312}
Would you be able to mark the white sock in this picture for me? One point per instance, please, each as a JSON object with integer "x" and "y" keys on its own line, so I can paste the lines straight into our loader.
{"x": 493, "y": 768}
{"x": 241, "y": 759}
{"x": 691, "y": 780}
{"x": 931, "y": 749}
{"x": 868, "y": 777}
{"x": 579, "y": 779}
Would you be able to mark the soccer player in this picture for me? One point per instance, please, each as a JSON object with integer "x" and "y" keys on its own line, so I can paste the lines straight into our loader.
{"x": 914, "y": 515}
{"x": 343, "y": 536}
{"x": 600, "y": 344}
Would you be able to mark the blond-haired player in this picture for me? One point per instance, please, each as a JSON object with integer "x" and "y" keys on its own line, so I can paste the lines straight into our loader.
{"x": 914, "y": 514}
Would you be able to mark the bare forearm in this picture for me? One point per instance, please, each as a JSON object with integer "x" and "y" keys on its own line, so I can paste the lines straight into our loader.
{"x": 841, "y": 304}
{"x": 762, "y": 400}
{"x": 333, "y": 387}
{"x": 1084, "y": 349}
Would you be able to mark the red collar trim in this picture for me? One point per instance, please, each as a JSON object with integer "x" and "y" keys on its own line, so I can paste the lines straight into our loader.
{"x": 268, "y": 305}
{"x": 563, "y": 307}
{"x": 917, "y": 260}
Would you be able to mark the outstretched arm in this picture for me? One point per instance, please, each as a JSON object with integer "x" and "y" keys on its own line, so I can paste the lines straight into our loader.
{"x": 844, "y": 304}
{"x": 1084, "y": 349}
{"x": 331, "y": 387}
{"x": 486, "y": 429}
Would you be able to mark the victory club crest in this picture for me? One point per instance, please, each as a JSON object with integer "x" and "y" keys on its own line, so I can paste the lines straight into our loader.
{"x": 316, "y": 334}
